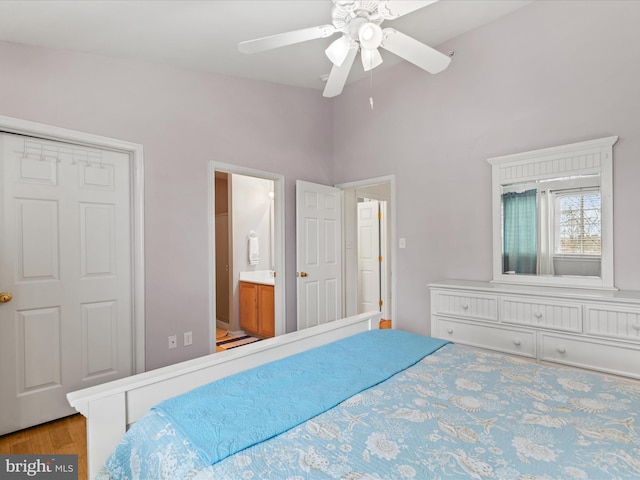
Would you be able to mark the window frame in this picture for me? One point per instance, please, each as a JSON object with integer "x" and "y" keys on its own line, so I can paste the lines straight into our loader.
{"x": 558, "y": 195}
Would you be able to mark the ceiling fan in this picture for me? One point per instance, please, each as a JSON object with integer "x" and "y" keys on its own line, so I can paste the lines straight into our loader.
{"x": 359, "y": 22}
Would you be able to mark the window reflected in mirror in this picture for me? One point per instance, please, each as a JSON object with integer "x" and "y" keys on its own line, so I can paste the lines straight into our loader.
{"x": 552, "y": 227}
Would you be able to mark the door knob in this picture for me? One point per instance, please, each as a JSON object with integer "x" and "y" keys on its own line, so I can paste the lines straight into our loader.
{"x": 5, "y": 297}
{"x": 303, "y": 274}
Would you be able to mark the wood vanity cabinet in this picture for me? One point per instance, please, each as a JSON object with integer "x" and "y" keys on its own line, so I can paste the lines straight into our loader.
{"x": 257, "y": 313}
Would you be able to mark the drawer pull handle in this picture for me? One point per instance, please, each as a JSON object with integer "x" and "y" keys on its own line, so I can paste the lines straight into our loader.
{"x": 449, "y": 331}
{"x": 517, "y": 342}
{"x": 538, "y": 314}
{"x": 561, "y": 349}
{"x": 464, "y": 306}
{"x": 636, "y": 327}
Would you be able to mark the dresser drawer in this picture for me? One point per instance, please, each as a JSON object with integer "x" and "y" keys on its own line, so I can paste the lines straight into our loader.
{"x": 541, "y": 313}
{"x": 619, "y": 359}
{"x": 472, "y": 305}
{"x": 612, "y": 321}
{"x": 507, "y": 340}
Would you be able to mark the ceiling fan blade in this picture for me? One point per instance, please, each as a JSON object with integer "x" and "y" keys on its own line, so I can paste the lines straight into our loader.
{"x": 396, "y": 8}
{"x": 413, "y": 51}
{"x": 338, "y": 76}
{"x": 284, "y": 39}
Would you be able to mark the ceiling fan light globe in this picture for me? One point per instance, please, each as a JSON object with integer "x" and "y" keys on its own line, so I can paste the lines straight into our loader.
{"x": 367, "y": 34}
{"x": 338, "y": 50}
{"x": 370, "y": 59}
{"x": 370, "y": 36}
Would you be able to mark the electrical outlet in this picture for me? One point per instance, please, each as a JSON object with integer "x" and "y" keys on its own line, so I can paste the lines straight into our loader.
{"x": 188, "y": 338}
{"x": 173, "y": 342}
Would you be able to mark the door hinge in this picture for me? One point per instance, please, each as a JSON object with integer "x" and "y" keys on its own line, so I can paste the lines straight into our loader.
{"x": 380, "y": 215}
{"x": 380, "y": 303}
{"x": 380, "y": 259}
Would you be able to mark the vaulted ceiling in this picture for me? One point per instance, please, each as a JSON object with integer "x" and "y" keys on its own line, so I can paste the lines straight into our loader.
{"x": 203, "y": 35}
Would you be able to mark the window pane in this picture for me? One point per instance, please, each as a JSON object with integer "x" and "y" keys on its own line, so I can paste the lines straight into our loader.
{"x": 579, "y": 224}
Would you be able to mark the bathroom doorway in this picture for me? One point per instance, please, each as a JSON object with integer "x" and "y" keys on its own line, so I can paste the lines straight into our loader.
{"x": 246, "y": 240}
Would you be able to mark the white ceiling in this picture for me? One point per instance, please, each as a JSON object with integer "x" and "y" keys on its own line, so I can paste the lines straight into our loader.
{"x": 203, "y": 35}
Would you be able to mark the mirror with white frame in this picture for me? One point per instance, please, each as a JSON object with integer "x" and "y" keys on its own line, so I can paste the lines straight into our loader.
{"x": 553, "y": 216}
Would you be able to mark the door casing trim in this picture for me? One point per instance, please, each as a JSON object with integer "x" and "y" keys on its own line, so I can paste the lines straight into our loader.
{"x": 391, "y": 210}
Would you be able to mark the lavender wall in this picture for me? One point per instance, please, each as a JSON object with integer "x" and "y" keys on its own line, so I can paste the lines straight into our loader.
{"x": 183, "y": 119}
{"x": 549, "y": 74}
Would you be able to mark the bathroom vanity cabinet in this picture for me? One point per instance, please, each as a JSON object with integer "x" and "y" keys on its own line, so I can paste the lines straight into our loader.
{"x": 257, "y": 313}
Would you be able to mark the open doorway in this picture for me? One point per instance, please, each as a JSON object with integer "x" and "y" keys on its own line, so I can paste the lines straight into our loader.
{"x": 368, "y": 265}
{"x": 247, "y": 244}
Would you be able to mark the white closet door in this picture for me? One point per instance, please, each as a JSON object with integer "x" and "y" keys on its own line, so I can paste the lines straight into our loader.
{"x": 66, "y": 260}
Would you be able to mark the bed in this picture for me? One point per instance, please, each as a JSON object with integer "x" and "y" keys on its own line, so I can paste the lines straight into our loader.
{"x": 386, "y": 404}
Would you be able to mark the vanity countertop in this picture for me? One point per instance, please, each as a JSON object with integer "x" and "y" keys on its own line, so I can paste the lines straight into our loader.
{"x": 265, "y": 277}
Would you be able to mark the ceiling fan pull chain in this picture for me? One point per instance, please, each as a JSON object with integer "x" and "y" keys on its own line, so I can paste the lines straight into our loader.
{"x": 371, "y": 88}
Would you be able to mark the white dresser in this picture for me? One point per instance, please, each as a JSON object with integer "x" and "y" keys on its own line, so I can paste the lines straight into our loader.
{"x": 594, "y": 329}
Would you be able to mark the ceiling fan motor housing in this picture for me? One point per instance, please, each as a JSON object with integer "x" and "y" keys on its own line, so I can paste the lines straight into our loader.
{"x": 349, "y": 16}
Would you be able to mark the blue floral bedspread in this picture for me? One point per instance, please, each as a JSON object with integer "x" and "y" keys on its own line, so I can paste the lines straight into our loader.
{"x": 457, "y": 413}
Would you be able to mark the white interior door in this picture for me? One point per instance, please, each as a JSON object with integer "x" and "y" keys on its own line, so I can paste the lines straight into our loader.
{"x": 369, "y": 257}
{"x": 318, "y": 253}
{"x": 66, "y": 261}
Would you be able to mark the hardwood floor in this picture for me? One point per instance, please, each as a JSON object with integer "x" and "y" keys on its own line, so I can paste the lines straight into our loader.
{"x": 65, "y": 436}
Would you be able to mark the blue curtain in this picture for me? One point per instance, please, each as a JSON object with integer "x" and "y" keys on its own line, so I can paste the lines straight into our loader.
{"x": 520, "y": 232}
